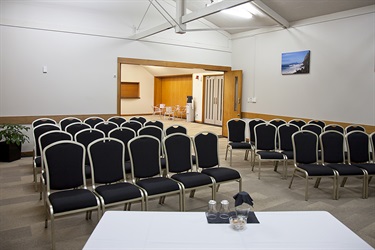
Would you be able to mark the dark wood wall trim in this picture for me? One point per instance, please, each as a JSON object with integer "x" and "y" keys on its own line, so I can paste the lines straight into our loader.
{"x": 30, "y": 119}
{"x": 267, "y": 117}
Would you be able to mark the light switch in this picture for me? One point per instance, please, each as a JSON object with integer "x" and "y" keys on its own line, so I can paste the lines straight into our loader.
{"x": 45, "y": 69}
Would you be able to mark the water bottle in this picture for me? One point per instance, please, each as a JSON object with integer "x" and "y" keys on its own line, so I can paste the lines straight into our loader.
{"x": 224, "y": 210}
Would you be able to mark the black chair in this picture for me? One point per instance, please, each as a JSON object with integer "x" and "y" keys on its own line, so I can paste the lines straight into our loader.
{"x": 135, "y": 125}
{"x": 178, "y": 153}
{"x": 146, "y": 170}
{"x": 140, "y": 119}
{"x": 106, "y": 126}
{"x": 334, "y": 127}
{"x": 320, "y": 123}
{"x": 74, "y": 127}
{"x": 124, "y": 135}
{"x": 265, "y": 147}
{"x": 175, "y": 129}
{"x": 117, "y": 119}
{"x": 93, "y": 120}
{"x": 85, "y": 137}
{"x": 372, "y": 140}
{"x": 37, "y": 162}
{"x": 159, "y": 134}
{"x": 353, "y": 127}
{"x": 42, "y": 120}
{"x": 107, "y": 158}
{"x": 207, "y": 156}
{"x": 284, "y": 133}
{"x": 154, "y": 123}
{"x": 236, "y": 138}
{"x": 252, "y": 123}
{"x": 44, "y": 140}
{"x": 66, "y": 184}
{"x": 358, "y": 146}
{"x": 297, "y": 122}
{"x": 313, "y": 128}
{"x": 277, "y": 122}
{"x": 68, "y": 120}
{"x": 306, "y": 166}
{"x": 333, "y": 156}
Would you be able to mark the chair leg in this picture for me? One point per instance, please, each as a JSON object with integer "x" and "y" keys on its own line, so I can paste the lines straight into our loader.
{"x": 259, "y": 169}
{"x": 307, "y": 188}
{"x": 217, "y": 187}
{"x": 344, "y": 181}
{"x": 192, "y": 192}
{"x": 226, "y": 153}
{"x": 276, "y": 166}
{"x": 291, "y": 181}
{"x": 317, "y": 182}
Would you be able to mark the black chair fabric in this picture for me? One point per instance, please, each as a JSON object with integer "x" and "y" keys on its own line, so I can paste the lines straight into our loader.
{"x": 175, "y": 129}
{"x": 93, "y": 120}
{"x": 106, "y": 126}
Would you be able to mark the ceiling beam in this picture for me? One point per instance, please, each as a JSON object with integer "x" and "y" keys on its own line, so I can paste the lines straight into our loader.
{"x": 212, "y": 9}
{"x": 271, "y": 13}
{"x": 152, "y": 31}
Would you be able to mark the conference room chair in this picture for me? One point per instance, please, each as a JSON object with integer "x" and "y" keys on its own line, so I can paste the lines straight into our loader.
{"x": 175, "y": 129}
{"x": 42, "y": 120}
{"x": 277, "y": 122}
{"x": 334, "y": 127}
{"x": 75, "y": 127}
{"x": 107, "y": 161}
{"x": 265, "y": 148}
{"x": 117, "y": 119}
{"x": 93, "y": 120}
{"x": 146, "y": 171}
{"x": 372, "y": 140}
{"x": 158, "y": 133}
{"x": 157, "y": 110}
{"x": 178, "y": 151}
{"x": 320, "y": 123}
{"x": 106, "y": 126}
{"x": 297, "y": 122}
{"x": 358, "y": 146}
{"x": 44, "y": 140}
{"x": 169, "y": 112}
{"x": 180, "y": 111}
{"x": 140, "y": 119}
{"x": 37, "y": 162}
{"x": 285, "y": 146}
{"x": 135, "y": 125}
{"x": 85, "y": 137}
{"x": 353, "y": 127}
{"x": 206, "y": 147}
{"x": 333, "y": 156}
{"x": 317, "y": 129}
{"x": 306, "y": 166}
{"x": 237, "y": 138}
{"x": 251, "y": 125}
{"x": 124, "y": 135}
{"x": 154, "y": 123}
{"x": 67, "y": 192}
{"x": 68, "y": 120}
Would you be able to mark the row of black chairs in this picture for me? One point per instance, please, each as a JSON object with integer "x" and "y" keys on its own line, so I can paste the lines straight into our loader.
{"x": 65, "y": 172}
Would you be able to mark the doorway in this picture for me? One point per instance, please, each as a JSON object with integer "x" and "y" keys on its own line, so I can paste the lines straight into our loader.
{"x": 213, "y": 104}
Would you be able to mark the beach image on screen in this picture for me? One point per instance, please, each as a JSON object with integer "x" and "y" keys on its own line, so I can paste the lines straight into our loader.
{"x": 295, "y": 62}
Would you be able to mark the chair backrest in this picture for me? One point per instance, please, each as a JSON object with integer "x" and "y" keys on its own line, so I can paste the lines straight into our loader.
{"x": 68, "y": 120}
{"x": 372, "y": 142}
{"x": 313, "y": 128}
{"x": 320, "y": 123}
{"x": 236, "y": 130}
{"x": 140, "y": 119}
{"x": 305, "y": 147}
{"x": 265, "y": 136}
{"x": 64, "y": 164}
{"x": 334, "y": 127}
{"x": 175, "y": 129}
{"x": 74, "y": 127}
{"x": 107, "y": 160}
{"x": 53, "y": 136}
{"x": 154, "y": 123}
{"x": 144, "y": 153}
{"x": 86, "y": 136}
{"x": 153, "y": 131}
{"x": 106, "y": 126}
{"x": 93, "y": 120}
{"x": 277, "y": 122}
{"x": 124, "y": 135}
{"x": 38, "y": 131}
{"x": 252, "y": 124}
{"x": 177, "y": 148}
{"x": 135, "y": 125}
{"x": 285, "y": 132}
{"x": 297, "y": 122}
{"x": 42, "y": 121}
{"x": 332, "y": 144}
{"x": 117, "y": 119}
{"x": 357, "y": 144}
{"x": 351, "y": 128}
{"x": 206, "y": 149}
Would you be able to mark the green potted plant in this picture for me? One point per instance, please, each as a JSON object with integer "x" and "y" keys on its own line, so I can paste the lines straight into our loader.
{"x": 11, "y": 139}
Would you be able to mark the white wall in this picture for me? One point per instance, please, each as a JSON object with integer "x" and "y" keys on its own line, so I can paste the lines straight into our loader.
{"x": 341, "y": 83}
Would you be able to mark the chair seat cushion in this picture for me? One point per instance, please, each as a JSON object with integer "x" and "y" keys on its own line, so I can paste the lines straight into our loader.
{"x": 222, "y": 174}
{"x": 264, "y": 155}
{"x": 192, "y": 179}
{"x": 346, "y": 169}
{"x": 158, "y": 185}
{"x": 369, "y": 167}
{"x": 240, "y": 145}
{"x": 288, "y": 154}
{"x": 316, "y": 169}
{"x": 118, "y": 192}
{"x": 68, "y": 200}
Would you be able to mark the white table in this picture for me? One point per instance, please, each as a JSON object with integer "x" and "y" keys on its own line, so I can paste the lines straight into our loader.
{"x": 190, "y": 230}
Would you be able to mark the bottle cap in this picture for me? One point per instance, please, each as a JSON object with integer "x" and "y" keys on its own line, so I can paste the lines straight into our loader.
{"x": 212, "y": 202}
{"x": 224, "y": 202}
